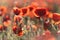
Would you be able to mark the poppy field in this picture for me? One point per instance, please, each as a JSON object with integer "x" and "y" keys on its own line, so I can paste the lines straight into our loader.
{"x": 29, "y": 20}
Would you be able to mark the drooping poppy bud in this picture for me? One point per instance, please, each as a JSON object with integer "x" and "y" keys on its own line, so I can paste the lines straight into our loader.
{"x": 16, "y": 11}
{"x": 40, "y": 12}
{"x": 56, "y": 17}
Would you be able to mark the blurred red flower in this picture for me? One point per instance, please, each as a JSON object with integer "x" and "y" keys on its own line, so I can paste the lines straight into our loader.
{"x": 16, "y": 11}
{"x": 24, "y": 11}
{"x": 40, "y": 12}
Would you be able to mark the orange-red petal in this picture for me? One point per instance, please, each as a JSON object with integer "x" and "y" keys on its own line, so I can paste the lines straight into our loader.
{"x": 56, "y": 17}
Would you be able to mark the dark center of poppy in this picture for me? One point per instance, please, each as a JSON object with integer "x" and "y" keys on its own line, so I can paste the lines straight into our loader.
{"x": 31, "y": 8}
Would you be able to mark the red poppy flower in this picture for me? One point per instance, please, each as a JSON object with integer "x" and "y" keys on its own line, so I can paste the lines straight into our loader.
{"x": 24, "y": 11}
{"x": 40, "y": 12}
{"x": 16, "y": 11}
{"x": 56, "y": 17}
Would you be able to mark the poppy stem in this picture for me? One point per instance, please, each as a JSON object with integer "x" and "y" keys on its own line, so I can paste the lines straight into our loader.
{"x": 42, "y": 25}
